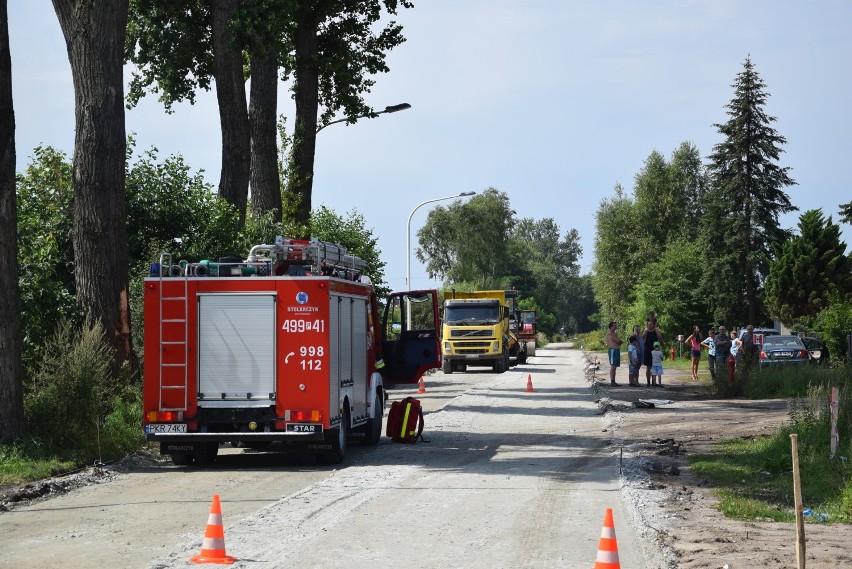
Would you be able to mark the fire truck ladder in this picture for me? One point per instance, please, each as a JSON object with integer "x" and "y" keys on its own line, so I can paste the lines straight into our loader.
{"x": 179, "y": 324}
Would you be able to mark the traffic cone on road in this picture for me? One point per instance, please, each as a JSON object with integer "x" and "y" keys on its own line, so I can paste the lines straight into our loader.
{"x": 608, "y": 546}
{"x": 529, "y": 388}
{"x": 213, "y": 546}
{"x": 421, "y": 386}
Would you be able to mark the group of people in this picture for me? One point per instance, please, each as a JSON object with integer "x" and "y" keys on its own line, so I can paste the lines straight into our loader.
{"x": 723, "y": 350}
{"x": 645, "y": 349}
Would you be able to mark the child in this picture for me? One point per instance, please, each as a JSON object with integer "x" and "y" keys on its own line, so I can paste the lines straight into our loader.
{"x": 657, "y": 366}
{"x": 633, "y": 360}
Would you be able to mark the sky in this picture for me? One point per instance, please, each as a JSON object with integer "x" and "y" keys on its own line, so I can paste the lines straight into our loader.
{"x": 553, "y": 102}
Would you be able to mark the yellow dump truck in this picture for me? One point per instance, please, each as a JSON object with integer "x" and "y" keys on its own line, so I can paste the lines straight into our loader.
{"x": 480, "y": 328}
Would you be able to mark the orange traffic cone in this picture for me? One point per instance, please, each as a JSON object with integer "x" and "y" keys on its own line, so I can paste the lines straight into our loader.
{"x": 213, "y": 546}
{"x": 529, "y": 388}
{"x": 421, "y": 386}
{"x": 607, "y": 547}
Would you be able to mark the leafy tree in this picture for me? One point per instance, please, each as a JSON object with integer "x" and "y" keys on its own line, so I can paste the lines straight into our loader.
{"x": 616, "y": 265}
{"x": 352, "y": 233}
{"x": 659, "y": 211}
{"x": 331, "y": 48}
{"x": 45, "y": 250}
{"x": 336, "y": 48}
{"x": 634, "y": 232}
{"x": 834, "y": 323}
{"x": 578, "y": 310}
{"x": 546, "y": 266}
{"x": 172, "y": 210}
{"x": 671, "y": 287}
{"x": 688, "y": 182}
{"x": 94, "y": 32}
{"x": 468, "y": 241}
{"x": 811, "y": 269}
{"x": 11, "y": 371}
{"x": 746, "y": 198}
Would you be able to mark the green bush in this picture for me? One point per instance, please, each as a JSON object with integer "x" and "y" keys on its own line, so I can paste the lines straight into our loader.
{"x": 594, "y": 341}
{"x": 73, "y": 408}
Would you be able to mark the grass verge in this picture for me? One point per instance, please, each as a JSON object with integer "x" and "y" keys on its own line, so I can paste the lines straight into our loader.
{"x": 753, "y": 476}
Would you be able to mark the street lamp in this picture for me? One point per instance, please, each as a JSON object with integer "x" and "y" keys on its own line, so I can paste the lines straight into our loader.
{"x": 390, "y": 109}
{"x": 408, "y": 239}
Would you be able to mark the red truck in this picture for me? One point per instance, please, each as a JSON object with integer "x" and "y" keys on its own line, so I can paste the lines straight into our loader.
{"x": 284, "y": 346}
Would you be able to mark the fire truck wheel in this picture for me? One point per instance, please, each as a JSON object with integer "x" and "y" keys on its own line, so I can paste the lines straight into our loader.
{"x": 448, "y": 366}
{"x": 374, "y": 427}
{"x": 337, "y": 437}
{"x": 205, "y": 453}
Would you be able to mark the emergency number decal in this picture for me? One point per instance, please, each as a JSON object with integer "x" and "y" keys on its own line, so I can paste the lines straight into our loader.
{"x": 299, "y": 326}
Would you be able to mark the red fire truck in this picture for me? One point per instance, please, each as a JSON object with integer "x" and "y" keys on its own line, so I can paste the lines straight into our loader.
{"x": 283, "y": 346}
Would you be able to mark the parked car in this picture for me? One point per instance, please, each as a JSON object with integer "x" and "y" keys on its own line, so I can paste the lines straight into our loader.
{"x": 782, "y": 350}
{"x": 759, "y": 334}
{"x": 817, "y": 351}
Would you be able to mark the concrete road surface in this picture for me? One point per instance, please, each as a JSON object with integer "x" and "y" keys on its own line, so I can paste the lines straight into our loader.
{"x": 506, "y": 479}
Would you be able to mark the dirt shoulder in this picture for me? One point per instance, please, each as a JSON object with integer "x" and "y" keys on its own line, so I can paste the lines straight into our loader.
{"x": 678, "y": 508}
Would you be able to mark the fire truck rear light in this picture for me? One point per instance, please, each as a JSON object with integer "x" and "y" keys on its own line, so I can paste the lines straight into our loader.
{"x": 164, "y": 416}
{"x": 313, "y": 416}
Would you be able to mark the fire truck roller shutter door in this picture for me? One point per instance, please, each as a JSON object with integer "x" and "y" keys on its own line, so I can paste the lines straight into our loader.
{"x": 359, "y": 360}
{"x": 236, "y": 346}
{"x": 334, "y": 357}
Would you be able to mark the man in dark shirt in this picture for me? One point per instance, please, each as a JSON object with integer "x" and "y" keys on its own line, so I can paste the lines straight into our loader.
{"x": 749, "y": 348}
{"x": 723, "y": 352}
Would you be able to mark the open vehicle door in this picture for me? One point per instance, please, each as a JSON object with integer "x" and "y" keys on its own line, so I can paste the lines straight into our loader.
{"x": 410, "y": 344}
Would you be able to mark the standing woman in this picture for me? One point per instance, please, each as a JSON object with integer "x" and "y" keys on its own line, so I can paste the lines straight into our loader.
{"x": 694, "y": 343}
{"x": 649, "y": 336}
{"x": 640, "y": 346}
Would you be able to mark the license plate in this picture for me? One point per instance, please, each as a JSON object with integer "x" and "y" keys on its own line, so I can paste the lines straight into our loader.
{"x": 165, "y": 428}
{"x": 784, "y": 354}
{"x": 303, "y": 428}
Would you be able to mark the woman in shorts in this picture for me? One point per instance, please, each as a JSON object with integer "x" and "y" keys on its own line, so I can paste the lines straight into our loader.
{"x": 694, "y": 343}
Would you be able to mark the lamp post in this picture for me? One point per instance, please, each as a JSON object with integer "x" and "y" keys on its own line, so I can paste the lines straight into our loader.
{"x": 408, "y": 238}
{"x": 390, "y": 109}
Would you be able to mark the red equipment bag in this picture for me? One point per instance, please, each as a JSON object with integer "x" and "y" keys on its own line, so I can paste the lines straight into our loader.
{"x": 405, "y": 421}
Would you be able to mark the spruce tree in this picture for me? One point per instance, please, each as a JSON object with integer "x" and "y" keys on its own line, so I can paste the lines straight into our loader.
{"x": 744, "y": 202}
{"x": 812, "y": 269}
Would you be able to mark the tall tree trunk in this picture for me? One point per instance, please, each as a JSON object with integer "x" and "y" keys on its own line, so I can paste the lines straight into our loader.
{"x": 265, "y": 183}
{"x": 233, "y": 111}
{"x": 94, "y": 33}
{"x": 11, "y": 371}
{"x": 307, "y": 105}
